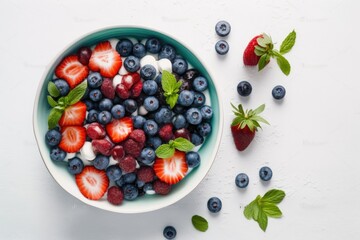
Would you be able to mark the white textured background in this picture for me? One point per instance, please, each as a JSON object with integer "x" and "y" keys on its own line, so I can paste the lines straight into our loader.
{"x": 312, "y": 144}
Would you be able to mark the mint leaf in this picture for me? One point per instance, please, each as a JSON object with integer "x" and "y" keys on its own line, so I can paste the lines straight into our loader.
{"x": 54, "y": 117}
{"x": 182, "y": 144}
{"x": 164, "y": 151}
{"x": 51, "y": 101}
{"x": 262, "y": 220}
{"x": 199, "y": 223}
{"x": 172, "y": 99}
{"x": 274, "y": 196}
{"x": 168, "y": 82}
{"x": 77, "y": 93}
{"x": 53, "y": 90}
{"x": 262, "y": 62}
{"x": 288, "y": 43}
{"x": 271, "y": 210}
{"x": 283, "y": 64}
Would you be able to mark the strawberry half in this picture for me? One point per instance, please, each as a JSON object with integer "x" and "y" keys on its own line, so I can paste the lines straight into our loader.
{"x": 92, "y": 183}
{"x": 71, "y": 70}
{"x": 105, "y": 59}
{"x": 73, "y": 115}
{"x": 72, "y": 138}
{"x": 119, "y": 129}
{"x": 245, "y": 125}
{"x": 171, "y": 170}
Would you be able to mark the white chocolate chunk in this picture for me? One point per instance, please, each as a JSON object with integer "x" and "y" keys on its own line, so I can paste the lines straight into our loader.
{"x": 123, "y": 71}
{"x": 87, "y": 151}
{"x": 142, "y": 110}
{"x": 69, "y": 156}
{"x": 164, "y": 64}
{"x": 112, "y": 161}
{"x": 116, "y": 80}
{"x": 148, "y": 59}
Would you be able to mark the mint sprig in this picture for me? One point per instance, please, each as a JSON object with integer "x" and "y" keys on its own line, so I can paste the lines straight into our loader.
{"x": 171, "y": 88}
{"x": 168, "y": 149}
{"x": 200, "y": 223}
{"x": 59, "y": 106}
{"x": 264, "y": 207}
{"x": 53, "y": 90}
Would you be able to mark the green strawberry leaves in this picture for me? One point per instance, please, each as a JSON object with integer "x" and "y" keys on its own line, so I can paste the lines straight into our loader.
{"x": 171, "y": 88}
{"x": 168, "y": 149}
{"x": 250, "y": 118}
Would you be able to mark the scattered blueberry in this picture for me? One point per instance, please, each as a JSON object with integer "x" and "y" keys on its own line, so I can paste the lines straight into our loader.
{"x": 244, "y": 88}
{"x": 164, "y": 115}
{"x": 242, "y": 180}
{"x": 204, "y": 129}
{"x": 90, "y": 104}
{"x": 206, "y": 112}
{"x": 214, "y": 204}
{"x": 53, "y": 137}
{"x": 167, "y": 51}
{"x": 130, "y": 192}
{"x": 138, "y": 121}
{"x": 132, "y": 64}
{"x": 179, "y": 66}
{"x": 118, "y": 111}
{"x": 101, "y": 162}
{"x": 147, "y": 155}
{"x": 150, "y": 87}
{"x": 222, "y": 28}
{"x": 196, "y": 139}
{"x": 129, "y": 177}
{"x": 139, "y": 50}
{"x": 191, "y": 74}
{"x": 186, "y": 98}
{"x": 179, "y": 121}
{"x": 158, "y": 79}
{"x": 124, "y": 47}
{"x": 199, "y": 99}
{"x": 148, "y": 72}
{"x": 105, "y": 104}
{"x": 95, "y": 95}
{"x": 57, "y": 154}
{"x": 153, "y": 142}
{"x": 265, "y": 173}
{"x": 192, "y": 159}
{"x": 153, "y": 45}
{"x": 148, "y": 187}
{"x": 169, "y": 232}
{"x": 120, "y": 182}
{"x": 104, "y": 117}
{"x": 178, "y": 109}
{"x": 151, "y": 103}
{"x": 278, "y": 92}
{"x": 193, "y": 116}
{"x": 200, "y": 84}
{"x": 113, "y": 172}
{"x": 140, "y": 183}
{"x": 222, "y": 47}
{"x": 75, "y": 165}
{"x": 94, "y": 80}
{"x": 150, "y": 127}
{"x": 130, "y": 105}
{"x": 62, "y": 86}
{"x": 92, "y": 116}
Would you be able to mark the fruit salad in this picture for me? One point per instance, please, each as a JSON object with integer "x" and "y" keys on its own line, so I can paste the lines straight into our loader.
{"x": 127, "y": 117}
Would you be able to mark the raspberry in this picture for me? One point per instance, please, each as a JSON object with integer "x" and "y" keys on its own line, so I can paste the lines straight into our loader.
{"x": 166, "y": 133}
{"x": 182, "y": 132}
{"x": 128, "y": 81}
{"x": 136, "y": 89}
{"x": 122, "y": 91}
{"x": 107, "y": 88}
{"x": 138, "y": 135}
{"x": 161, "y": 187}
{"x": 102, "y": 146}
{"x": 115, "y": 195}
{"x": 128, "y": 164}
{"x": 133, "y": 148}
{"x": 118, "y": 152}
{"x": 95, "y": 131}
{"x": 145, "y": 174}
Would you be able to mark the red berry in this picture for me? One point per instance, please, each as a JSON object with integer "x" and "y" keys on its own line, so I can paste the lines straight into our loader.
{"x": 84, "y": 55}
{"x": 122, "y": 91}
{"x": 161, "y": 187}
{"x": 138, "y": 135}
{"x": 107, "y": 88}
{"x": 136, "y": 89}
{"x": 102, "y": 146}
{"x": 128, "y": 164}
{"x": 145, "y": 174}
{"x": 133, "y": 148}
{"x": 118, "y": 152}
{"x": 114, "y": 195}
{"x": 182, "y": 132}
{"x": 166, "y": 133}
{"x": 95, "y": 131}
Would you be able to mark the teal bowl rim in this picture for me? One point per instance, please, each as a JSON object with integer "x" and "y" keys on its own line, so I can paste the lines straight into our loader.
{"x": 163, "y": 201}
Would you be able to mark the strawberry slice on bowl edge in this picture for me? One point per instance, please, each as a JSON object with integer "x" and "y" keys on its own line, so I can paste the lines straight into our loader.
{"x": 92, "y": 183}
{"x": 119, "y": 129}
{"x": 71, "y": 70}
{"x": 73, "y": 115}
{"x": 72, "y": 138}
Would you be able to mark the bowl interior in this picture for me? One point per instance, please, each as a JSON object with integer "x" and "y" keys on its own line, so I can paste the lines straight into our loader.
{"x": 148, "y": 203}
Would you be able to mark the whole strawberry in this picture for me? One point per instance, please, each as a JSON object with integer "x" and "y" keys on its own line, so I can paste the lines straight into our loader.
{"x": 245, "y": 125}
{"x": 260, "y": 50}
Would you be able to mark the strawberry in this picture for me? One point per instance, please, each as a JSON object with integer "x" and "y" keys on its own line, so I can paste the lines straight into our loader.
{"x": 105, "y": 59}
{"x": 171, "y": 170}
{"x": 73, "y": 115}
{"x": 119, "y": 129}
{"x": 72, "y": 138}
{"x": 249, "y": 57}
{"x": 245, "y": 125}
{"x": 71, "y": 70}
{"x": 92, "y": 183}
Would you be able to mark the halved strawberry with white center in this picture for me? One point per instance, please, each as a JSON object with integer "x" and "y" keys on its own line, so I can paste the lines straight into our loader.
{"x": 105, "y": 59}
{"x": 171, "y": 170}
{"x": 71, "y": 70}
{"x": 92, "y": 183}
{"x": 72, "y": 138}
{"x": 73, "y": 115}
{"x": 119, "y": 129}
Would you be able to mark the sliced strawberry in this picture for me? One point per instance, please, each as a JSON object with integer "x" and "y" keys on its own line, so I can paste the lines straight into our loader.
{"x": 105, "y": 59}
{"x": 171, "y": 170}
{"x": 73, "y": 115}
{"x": 72, "y": 138}
{"x": 92, "y": 183}
{"x": 71, "y": 70}
{"x": 119, "y": 129}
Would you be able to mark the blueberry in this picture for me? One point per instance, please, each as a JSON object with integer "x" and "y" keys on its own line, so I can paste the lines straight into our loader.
{"x": 169, "y": 232}
{"x": 130, "y": 192}
{"x": 222, "y": 47}
{"x": 153, "y": 45}
{"x": 196, "y": 139}
{"x": 206, "y": 112}
{"x": 186, "y": 98}
{"x": 214, "y": 204}
{"x": 158, "y": 79}
{"x": 150, "y": 87}
{"x": 278, "y": 92}
{"x": 101, "y": 162}
{"x": 164, "y": 115}
{"x": 113, "y": 172}
{"x": 124, "y": 47}
{"x": 179, "y": 66}
{"x": 191, "y": 74}
{"x": 151, "y": 103}
{"x": 199, "y": 99}
{"x": 244, "y": 88}
{"x": 153, "y": 142}
{"x": 167, "y": 51}
{"x": 53, "y": 137}
{"x": 200, "y": 84}
{"x": 138, "y": 121}
{"x": 179, "y": 121}
{"x": 204, "y": 129}
{"x": 86, "y": 94}
{"x": 265, "y": 173}
{"x": 92, "y": 116}
{"x": 57, "y": 154}
{"x": 105, "y": 104}
{"x": 139, "y": 50}
{"x": 75, "y": 165}
{"x": 148, "y": 72}
{"x": 118, "y": 111}
{"x": 120, "y": 182}
{"x": 148, "y": 187}
{"x": 140, "y": 184}
{"x": 130, "y": 105}
{"x": 95, "y": 95}
{"x": 94, "y": 80}
{"x": 129, "y": 177}
{"x": 90, "y": 104}
{"x": 150, "y": 127}
{"x": 104, "y": 117}
{"x": 222, "y": 28}
{"x": 132, "y": 64}
{"x": 192, "y": 159}
{"x": 242, "y": 180}
{"x": 62, "y": 86}
{"x": 147, "y": 155}
{"x": 193, "y": 116}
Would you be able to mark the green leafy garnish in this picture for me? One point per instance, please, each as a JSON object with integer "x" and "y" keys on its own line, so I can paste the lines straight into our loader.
{"x": 171, "y": 88}
{"x": 168, "y": 149}
{"x": 199, "y": 223}
{"x": 288, "y": 43}
{"x": 263, "y": 207}
{"x": 53, "y": 90}
{"x": 250, "y": 118}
